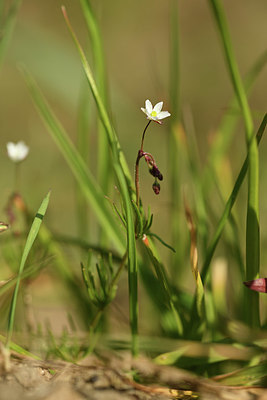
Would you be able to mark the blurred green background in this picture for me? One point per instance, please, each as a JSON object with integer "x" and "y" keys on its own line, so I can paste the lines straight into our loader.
{"x": 136, "y": 37}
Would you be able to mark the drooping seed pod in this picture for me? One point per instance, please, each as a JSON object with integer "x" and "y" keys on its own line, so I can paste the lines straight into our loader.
{"x": 156, "y": 187}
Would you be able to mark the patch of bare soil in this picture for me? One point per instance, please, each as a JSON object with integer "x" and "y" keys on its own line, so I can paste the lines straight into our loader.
{"x": 94, "y": 380}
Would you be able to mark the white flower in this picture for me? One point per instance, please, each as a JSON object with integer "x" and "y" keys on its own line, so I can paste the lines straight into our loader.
{"x": 155, "y": 114}
{"x": 17, "y": 151}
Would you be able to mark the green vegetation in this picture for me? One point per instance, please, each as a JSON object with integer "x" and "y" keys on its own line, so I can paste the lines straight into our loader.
{"x": 185, "y": 304}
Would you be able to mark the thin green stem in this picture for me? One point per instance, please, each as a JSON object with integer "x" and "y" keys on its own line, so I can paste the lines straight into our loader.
{"x": 143, "y": 136}
{"x": 17, "y": 176}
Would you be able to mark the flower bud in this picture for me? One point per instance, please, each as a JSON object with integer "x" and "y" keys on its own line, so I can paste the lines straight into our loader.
{"x": 156, "y": 187}
{"x": 156, "y": 172}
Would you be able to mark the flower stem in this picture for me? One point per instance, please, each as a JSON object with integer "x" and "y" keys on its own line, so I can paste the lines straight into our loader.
{"x": 139, "y": 156}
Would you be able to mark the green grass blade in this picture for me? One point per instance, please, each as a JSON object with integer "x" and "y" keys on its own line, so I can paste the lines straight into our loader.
{"x": 162, "y": 277}
{"x": 111, "y": 135}
{"x": 125, "y": 184}
{"x": 223, "y": 135}
{"x": 20, "y": 350}
{"x": 252, "y": 229}
{"x": 85, "y": 179}
{"x": 83, "y": 147}
{"x": 29, "y": 243}
{"x": 98, "y": 55}
{"x": 173, "y": 145}
{"x": 247, "y": 376}
{"x": 33, "y": 270}
{"x": 8, "y": 27}
{"x": 229, "y": 205}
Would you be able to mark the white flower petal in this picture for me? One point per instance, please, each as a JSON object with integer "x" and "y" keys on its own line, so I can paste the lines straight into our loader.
{"x": 149, "y": 106}
{"x": 144, "y": 110}
{"x": 158, "y": 107}
{"x": 163, "y": 114}
{"x": 17, "y": 151}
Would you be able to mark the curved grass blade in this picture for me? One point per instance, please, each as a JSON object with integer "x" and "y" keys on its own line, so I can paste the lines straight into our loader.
{"x": 29, "y": 243}
{"x": 20, "y": 350}
{"x": 83, "y": 147}
{"x": 247, "y": 376}
{"x": 161, "y": 241}
{"x": 252, "y": 229}
{"x": 111, "y": 135}
{"x": 83, "y": 244}
{"x": 33, "y": 270}
{"x": 229, "y": 205}
{"x": 104, "y": 161}
{"x": 126, "y": 188}
{"x": 84, "y": 177}
{"x": 223, "y": 133}
{"x": 174, "y": 148}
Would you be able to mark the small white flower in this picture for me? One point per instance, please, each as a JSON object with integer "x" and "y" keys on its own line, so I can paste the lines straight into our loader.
{"x": 155, "y": 114}
{"x": 17, "y": 151}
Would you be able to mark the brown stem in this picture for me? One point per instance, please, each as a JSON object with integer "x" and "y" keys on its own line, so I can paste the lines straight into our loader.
{"x": 139, "y": 156}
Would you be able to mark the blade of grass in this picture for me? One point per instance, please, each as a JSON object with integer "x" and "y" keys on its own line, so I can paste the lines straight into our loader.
{"x": 246, "y": 376}
{"x": 83, "y": 244}
{"x": 223, "y": 133}
{"x": 225, "y": 215}
{"x": 252, "y": 229}
{"x": 162, "y": 277}
{"x": 29, "y": 243}
{"x": 8, "y": 27}
{"x": 229, "y": 205}
{"x": 174, "y": 150}
{"x": 125, "y": 185}
{"x": 112, "y": 137}
{"x": 20, "y": 350}
{"x": 84, "y": 150}
{"x": 85, "y": 179}
{"x": 33, "y": 270}
{"x": 104, "y": 161}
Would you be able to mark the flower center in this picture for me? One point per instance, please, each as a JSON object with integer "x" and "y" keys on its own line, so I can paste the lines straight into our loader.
{"x": 153, "y": 113}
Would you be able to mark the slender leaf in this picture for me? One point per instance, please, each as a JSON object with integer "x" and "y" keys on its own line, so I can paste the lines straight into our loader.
{"x": 125, "y": 184}
{"x": 29, "y": 243}
{"x": 99, "y": 60}
{"x": 252, "y": 229}
{"x": 229, "y": 204}
{"x": 85, "y": 179}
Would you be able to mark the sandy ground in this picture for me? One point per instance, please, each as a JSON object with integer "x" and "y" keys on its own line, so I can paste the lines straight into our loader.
{"x": 34, "y": 380}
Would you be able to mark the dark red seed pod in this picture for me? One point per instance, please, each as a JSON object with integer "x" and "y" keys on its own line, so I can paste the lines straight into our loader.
{"x": 156, "y": 187}
{"x": 156, "y": 172}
